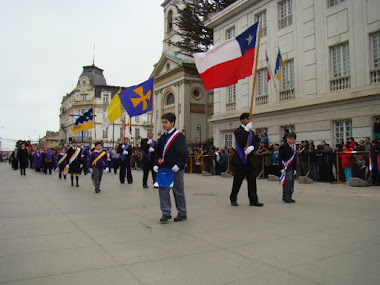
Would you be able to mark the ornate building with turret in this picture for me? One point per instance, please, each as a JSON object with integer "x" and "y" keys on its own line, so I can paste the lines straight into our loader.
{"x": 92, "y": 91}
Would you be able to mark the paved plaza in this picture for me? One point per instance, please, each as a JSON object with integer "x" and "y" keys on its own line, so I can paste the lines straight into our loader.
{"x": 52, "y": 233}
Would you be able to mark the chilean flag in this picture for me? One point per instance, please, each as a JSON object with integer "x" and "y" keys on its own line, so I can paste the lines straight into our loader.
{"x": 228, "y": 62}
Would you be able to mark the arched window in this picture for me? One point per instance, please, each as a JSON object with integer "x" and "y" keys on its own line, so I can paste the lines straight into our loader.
{"x": 170, "y": 21}
{"x": 169, "y": 100}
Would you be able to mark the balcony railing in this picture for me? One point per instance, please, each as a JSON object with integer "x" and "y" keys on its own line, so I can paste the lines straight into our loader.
{"x": 231, "y": 106}
{"x": 375, "y": 76}
{"x": 261, "y": 100}
{"x": 340, "y": 83}
{"x": 287, "y": 94}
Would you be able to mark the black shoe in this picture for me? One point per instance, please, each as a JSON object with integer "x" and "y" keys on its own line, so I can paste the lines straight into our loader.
{"x": 288, "y": 201}
{"x": 164, "y": 219}
{"x": 145, "y": 186}
{"x": 97, "y": 191}
{"x": 130, "y": 182}
{"x": 77, "y": 185}
{"x": 72, "y": 184}
{"x": 292, "y": 201}
{"x": 180, "y": 218}
{"x": 257, "y": 204}
{"x": 122, "y": 182}
{"x": 234, "y": 204}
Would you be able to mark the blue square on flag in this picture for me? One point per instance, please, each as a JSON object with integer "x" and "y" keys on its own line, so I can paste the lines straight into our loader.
{"x": 137, "y": 99}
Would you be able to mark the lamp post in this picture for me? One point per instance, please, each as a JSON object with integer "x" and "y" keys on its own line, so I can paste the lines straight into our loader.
{"x": 199, "y": 128}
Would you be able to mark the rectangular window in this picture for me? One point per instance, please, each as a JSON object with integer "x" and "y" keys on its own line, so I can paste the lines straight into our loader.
{"x": 230, "y": 33}
{"x": 285, "y": 14}
{"x": 342, "y": 130}
{"x": 331, "y": 3}
{"x": 262, "y": 87}
{"x": 137, "y": 134}
{"x": 148, "y": 117}
{"x": 231, "y": 98}
{"x": 288, "y": 74}
{"x": 105, "y": 98}
{"x": 228, "y": 140}
{"x": 375, "y": 57}
{"x": 263, "y": 17}
{"x": 105, "y": 133}
{"x": 137, "y": 119}
{"x": 340, "y": 67}
{"x": 83, "y": 97}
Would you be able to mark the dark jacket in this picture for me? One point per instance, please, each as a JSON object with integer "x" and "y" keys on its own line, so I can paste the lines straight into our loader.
{"x": 241, "y": 137}
{"x": 127, "y": 158}
{"x": 285, "y": 154}
{"x": 22, "y": 154}
{"x": 176, "y": 154}
{"x": 145, "y": 149}
{"x": 101, "y": 163}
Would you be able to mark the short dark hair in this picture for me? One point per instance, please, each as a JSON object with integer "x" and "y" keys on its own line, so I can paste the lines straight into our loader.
{"x": 169, "y": 116}
{"x": 99, "y": 142}
{"x": 244, "y": 116}
{"x": 292, "y": 135}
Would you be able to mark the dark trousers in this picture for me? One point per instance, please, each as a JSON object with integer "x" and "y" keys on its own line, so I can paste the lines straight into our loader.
{"x": 288, "y": 186}
{"x": 148, "y": 166}
{"x": 249, "y": 173}
{"x": 115, "y": 165}
{"x": 48, "y": 166}
{"x": 97, "y": 174}
{"x": 23, "y": 165}
{"x": 125, "y": 170}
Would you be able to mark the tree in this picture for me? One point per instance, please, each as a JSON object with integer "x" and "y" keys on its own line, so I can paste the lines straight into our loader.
{"x": 195, "y": 37}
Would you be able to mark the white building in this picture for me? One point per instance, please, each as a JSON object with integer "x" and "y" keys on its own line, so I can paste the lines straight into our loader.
{"x": 93, "y": 91}
{"x": 330, "y": 78}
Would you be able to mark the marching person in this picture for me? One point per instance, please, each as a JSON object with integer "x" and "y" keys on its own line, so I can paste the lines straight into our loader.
{"x": 171, "y": 154}
{"x": 115, "y": 158}
{"x": 48, "y": 160}
{"x": 61, "y": 163}
{"x": 125, "y": 151}
{"x": 288, "y": 167}
{"x": 22, "y": 155}
{"x": 98, "y": 163}
{"x": 73, "y": 162}
{"x": 243, "y": 164}
{"x": 147, "y": 147}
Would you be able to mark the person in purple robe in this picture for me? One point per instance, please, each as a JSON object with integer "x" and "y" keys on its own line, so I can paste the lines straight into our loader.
{"x": 48, "y": 160}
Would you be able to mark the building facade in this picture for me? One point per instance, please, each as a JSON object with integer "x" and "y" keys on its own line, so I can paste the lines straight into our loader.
{"x": 329, "y": 88}
{"x": 93, "y": 91}
{"x": 178, "y": 87}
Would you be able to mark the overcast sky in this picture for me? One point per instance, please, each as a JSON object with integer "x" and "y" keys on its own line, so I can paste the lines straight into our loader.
{"x": 45, "y": 44}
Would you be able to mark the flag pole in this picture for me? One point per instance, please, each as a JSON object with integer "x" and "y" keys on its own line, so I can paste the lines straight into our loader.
{"x": 255, "y": 73}
{"x": 152, "y": 112}
{"x": 254, "y": 78}
{"x": 93, "y": 115}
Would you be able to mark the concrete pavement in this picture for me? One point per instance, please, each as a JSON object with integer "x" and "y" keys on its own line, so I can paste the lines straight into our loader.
{"x": 52, "y": 233}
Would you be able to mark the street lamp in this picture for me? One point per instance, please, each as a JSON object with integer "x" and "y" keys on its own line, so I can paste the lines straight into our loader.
{"x": 199, "y": 128}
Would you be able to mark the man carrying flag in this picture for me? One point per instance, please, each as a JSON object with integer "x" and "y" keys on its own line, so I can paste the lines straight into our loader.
{"x": 73, "y": 162}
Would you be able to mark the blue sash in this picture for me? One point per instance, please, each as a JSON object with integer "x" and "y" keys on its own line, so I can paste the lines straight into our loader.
{"x": 240, "y": 151}
{"x": 147, "y": 154}
{"x": 164, "y": 178}
{"x": 122, "y": 156}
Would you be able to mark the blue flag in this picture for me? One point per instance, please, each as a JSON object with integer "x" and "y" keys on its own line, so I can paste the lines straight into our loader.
{"x": 84, "y": 122}
{"x": 137, "y": 99}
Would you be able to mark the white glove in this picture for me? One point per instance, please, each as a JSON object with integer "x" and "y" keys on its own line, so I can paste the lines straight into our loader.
{"x": 68, "y": 166}
{"x": 155, "y": 168}
{"x": 150, "y": 141}
{"x": 107, "y": 170}
{"x": 125, "y": 152}
{"x": 82, "y": 155}
{"x": 123, "y": 146}
{"x": 249, "y": 149}
{"x": 294, "y": 172}
{"x": 151, "y": 149}
{"x": 175, "y": 168}
{"x": 248, "y": 127}
{"x": 81, "y": 166}
{"x": 283, "y": 171}
{"x": 91, "y": 170}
